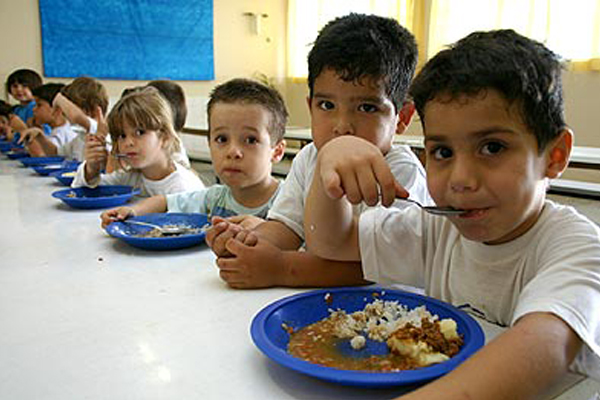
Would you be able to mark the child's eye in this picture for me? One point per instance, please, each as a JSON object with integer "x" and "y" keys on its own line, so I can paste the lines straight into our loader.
{"x": 122, "y": 136}
{"x": 368, "y": 108}
{"x": 140, "y": 132}
{"x": 251, "y": 140}
{"x": 220, "y": 139}
{"x": 325, "y": 105}
{"x": 492, "y": 148}
{"x": 441, "y": 153}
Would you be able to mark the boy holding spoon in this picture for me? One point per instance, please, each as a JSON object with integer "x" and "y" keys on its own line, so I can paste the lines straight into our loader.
{"x": 492, "y": 113}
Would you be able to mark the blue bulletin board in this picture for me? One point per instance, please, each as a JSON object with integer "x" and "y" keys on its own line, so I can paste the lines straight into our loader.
{"x": 128, "y": 39}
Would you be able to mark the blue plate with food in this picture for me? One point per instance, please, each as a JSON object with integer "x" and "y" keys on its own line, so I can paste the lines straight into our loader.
{"x": 64, "y": 176}
{"x": 31, "y": 161}
{"x": 161, "y": 231}
{"x": 47, "y": 169}
{"x": 368, "y": 337}
{"x": 98, "y": 197}
{"x": 7, "y": 146}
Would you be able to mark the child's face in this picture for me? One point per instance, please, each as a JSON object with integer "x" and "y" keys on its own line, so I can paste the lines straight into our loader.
{"x": 4, "y": 125}
{"x": 240, "y": 145}
{"x": 481, "y": 157}
{"x": 43, "y": 111}
{"x": 21, "y": 93}
{"x": 350, "y": 108}
{"x": 144, "y": 148}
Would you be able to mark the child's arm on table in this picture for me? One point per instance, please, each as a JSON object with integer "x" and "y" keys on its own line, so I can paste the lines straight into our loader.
{"x": 257, "y": 264}
{"x": 37, "y": 144}
{"x": 154, "y": 204}
{"x": 347, "y": 167}
{"x": 518, "y": 364}
{"x": 275, "y": 232}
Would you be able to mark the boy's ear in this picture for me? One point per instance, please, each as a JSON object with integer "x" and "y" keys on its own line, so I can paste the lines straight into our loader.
{"x": 558, "y": 154}
{"x": 278, "y": 152}
{"x": 308, "y": 103}
{"x": 405, "y": 116}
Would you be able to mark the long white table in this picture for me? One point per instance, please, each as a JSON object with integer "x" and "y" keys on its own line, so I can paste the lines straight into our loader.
{"x": 83, "y": 316}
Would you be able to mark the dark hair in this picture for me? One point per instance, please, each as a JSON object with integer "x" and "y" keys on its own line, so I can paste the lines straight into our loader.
{"x": 359, "y": 46}
{"x": 25, "y": 77}
{"x": 246, "y": 91}
{"x": 524, "y": 71}
{"x": 48, "y": 91}
{"x": 87, "y": 93}
{"x": 175, "y": 95}
{"x": 5, "y": 109}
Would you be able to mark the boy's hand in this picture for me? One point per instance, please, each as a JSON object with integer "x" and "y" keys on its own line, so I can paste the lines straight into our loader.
{"x": 220, "y": 232}
{"x": 28, "y": 135}
{"x": 246, "y": 221}
{"x": 256, "y": 265}
{"x": 116, "y": 214}
{"x": 356, "y": 168}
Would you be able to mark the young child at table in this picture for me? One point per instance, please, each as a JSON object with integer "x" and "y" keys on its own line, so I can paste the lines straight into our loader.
{"x": 491, "y": 107}
{"x": 174, "y": 94}
{"x": 20, "y": 85}
{"x": 90, "y": 102}
{"x": 359, "y": 71}
{"x": 143, "y": 137}
{"x": 6, "y": 132}
{"x": 246, "y": 123}
{"x": 34, "y": 139}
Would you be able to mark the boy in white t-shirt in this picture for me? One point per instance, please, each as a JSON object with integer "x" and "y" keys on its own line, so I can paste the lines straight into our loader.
{"x": 360, "y": 68}
{"x": 84, "y": 102}
{"x": 36, "y": 142}
{"x": 246, "y": 123}
{"x": 492, "y": 113}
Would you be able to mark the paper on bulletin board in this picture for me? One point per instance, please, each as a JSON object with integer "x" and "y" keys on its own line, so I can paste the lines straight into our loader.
{"x": 128, "y": 39}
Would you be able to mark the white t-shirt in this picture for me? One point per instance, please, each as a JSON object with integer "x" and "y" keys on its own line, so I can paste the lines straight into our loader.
{"x": 181, "y": 180}
{"x": 62, "y": 135}
{"x": 215, "y": 200}
{"x": 289, "y": 205}
{"x": 554, "y": 267}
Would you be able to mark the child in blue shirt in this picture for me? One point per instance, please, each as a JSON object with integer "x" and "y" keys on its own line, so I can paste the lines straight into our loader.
{"x": 246, "y": 125}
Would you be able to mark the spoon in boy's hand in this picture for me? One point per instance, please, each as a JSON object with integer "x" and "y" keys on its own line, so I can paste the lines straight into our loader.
{"x": 435, "y": 210}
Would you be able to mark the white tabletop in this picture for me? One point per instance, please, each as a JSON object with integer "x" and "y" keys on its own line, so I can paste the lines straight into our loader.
{"x": 85, "y": 316}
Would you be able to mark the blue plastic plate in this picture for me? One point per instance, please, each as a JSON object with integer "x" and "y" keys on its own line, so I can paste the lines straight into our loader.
{"x": 31, "y": 161}
{"x": 62, "y": 178}
{"x": 7, "y": 146}
{"x": 46, "y": 169}
{"x": 16, "y": 154}
{"x": 98, "y": 197}
{"x": 304, "y": 309}
{"x": 127, "y": 232}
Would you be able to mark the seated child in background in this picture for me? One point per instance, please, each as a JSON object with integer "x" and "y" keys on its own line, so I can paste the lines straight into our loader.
{"x": 20, "y": 85}
{"x": 246, "y": 125}
{"x": 174, "y": 94}
{"x": 143, "y": 137}
{"x": 491, "y": 107}
{"x": 38, "y": 144}
{"x": 360, "y": 68}
{"x": 84, "y": 102}
{"x": 6, "y": 132}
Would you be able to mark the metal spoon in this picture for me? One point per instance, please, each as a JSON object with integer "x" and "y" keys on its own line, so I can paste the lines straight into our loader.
{"x": 435, "y": 210}
{"x": 164, "y": 230}
{"x": 168, "y": 229}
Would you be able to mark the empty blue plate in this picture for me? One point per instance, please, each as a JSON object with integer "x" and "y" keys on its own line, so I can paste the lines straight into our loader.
{"x": 304, "y": 309}
{"x": 31, "y": 161}
{"x": 129, "y": 232}
{"x": 98, "y": 197}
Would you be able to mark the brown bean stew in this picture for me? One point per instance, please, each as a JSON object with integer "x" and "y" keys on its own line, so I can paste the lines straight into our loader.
{"x": 384, "y": 337}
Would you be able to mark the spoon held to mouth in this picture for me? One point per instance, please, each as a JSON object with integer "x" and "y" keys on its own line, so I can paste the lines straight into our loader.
{"x": 435, "y": 210}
